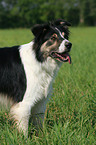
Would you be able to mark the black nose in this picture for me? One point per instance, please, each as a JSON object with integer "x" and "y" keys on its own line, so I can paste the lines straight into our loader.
{"x": 68, "y": 45}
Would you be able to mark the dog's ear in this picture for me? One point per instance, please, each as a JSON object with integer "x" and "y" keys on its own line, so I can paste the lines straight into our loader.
{"x": 62, "y": 22}
{"x": 38, "y": 29}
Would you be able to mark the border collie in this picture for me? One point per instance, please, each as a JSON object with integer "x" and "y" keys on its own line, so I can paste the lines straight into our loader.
{"x": 27, "y": 72}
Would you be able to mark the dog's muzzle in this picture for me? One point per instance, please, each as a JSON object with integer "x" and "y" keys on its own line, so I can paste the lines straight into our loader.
{"x": 62, "y": 54}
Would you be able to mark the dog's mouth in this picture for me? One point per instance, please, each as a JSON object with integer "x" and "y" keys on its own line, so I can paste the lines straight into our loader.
{"x": 62, "y": 57}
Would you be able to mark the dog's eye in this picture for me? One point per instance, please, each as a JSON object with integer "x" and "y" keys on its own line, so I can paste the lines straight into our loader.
{"x": 63, "y": 33}
{"x": 53, "y": 38}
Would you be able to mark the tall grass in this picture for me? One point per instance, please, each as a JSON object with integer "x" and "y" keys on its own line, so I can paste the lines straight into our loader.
{"x": 71, "y": 113}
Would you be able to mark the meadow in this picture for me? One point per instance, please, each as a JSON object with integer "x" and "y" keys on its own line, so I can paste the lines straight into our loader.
{"x": 71, "y": 113}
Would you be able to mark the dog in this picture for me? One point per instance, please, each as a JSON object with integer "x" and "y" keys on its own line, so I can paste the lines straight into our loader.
{"x": 27, "y": 72}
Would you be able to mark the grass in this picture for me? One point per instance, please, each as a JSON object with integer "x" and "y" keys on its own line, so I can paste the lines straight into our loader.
{"x": 71, "y": 113}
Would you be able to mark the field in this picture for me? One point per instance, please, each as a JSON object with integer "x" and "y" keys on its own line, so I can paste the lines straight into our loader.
{"x": 71, "y": 113}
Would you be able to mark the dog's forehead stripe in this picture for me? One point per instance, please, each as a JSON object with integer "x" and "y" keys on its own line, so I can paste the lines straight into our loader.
{"x": 59, "y": 32}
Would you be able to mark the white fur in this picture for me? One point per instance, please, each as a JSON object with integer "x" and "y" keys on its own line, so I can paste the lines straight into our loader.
{"x": 62, "y": 46}
{"x": 5, "y": 101}
{"x": 39, "y": 85}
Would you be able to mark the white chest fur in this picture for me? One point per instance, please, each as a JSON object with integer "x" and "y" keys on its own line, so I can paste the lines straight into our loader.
{"x": 39, "y": 75}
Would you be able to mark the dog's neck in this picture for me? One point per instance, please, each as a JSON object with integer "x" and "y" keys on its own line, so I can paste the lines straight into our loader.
{"x": 28, "y": 54}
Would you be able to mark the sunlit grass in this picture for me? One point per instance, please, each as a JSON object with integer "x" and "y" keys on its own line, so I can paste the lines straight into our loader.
{"x": 71, "y": 113}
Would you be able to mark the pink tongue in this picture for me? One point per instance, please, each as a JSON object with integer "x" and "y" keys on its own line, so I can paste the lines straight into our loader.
{"x": 68, "y": 57}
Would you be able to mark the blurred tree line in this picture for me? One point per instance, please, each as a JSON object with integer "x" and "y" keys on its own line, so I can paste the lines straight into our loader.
{"x": 25, "y": 13}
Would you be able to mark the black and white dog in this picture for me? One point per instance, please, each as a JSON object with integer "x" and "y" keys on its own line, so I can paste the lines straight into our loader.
{"x": 27, "y": 71}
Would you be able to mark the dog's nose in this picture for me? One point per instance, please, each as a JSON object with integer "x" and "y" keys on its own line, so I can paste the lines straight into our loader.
{"x": 68, "y": 45}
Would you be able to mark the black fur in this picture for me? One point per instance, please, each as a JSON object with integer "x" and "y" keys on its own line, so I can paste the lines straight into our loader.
{"x": 12, "y": 75}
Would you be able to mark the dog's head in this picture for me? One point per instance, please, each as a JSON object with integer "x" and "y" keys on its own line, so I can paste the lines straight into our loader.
{"x": 51, "y": 40}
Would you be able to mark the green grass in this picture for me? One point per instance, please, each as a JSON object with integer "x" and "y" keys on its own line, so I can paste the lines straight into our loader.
{"x": 71, "y": 113}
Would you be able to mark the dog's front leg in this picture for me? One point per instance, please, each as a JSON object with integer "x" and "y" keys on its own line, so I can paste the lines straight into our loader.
{"x": 20, "y": 113}
{"x": 38, "y": 113}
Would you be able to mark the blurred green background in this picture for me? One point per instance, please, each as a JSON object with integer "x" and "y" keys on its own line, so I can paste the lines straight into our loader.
{"x": 71, "y": 114}
{"x": 25, "y": 13}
